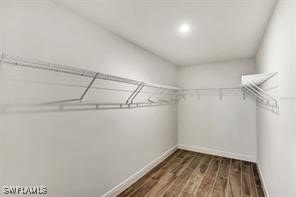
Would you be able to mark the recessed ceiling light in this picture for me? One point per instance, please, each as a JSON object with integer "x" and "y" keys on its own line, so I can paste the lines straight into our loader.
{"x": 184, "y": 28}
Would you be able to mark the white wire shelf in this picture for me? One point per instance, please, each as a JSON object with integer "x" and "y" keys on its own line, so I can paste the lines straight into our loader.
{"x": 155, "y": 95}
{"x": 217, "y": 92}
{"x": 251, "y": 84}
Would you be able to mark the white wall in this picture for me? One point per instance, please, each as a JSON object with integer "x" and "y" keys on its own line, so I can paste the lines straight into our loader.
{"x": 226, "y": 127}
{"x": 75, "y": 153}
{"x": 277, "y": 133}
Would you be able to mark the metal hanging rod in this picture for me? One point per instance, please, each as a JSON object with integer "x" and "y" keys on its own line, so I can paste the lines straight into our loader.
{"x": 37, "y": 64}
{"x": 252, "y": 83}
{"x": 53, "y": 107}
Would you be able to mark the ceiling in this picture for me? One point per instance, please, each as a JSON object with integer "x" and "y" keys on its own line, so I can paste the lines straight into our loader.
{"x": 220, "y": 29}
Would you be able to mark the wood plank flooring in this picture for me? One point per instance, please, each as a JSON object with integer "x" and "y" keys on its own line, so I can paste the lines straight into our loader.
{"x": 186, "y": 173}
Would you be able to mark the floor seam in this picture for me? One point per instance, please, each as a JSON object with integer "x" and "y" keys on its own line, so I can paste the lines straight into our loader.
{"x": 216, "y": 178}
{"x": 228, "y": 177}
{"x": 212, "y": 158}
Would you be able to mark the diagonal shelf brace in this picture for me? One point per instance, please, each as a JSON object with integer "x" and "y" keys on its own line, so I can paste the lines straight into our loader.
{"x": 89, "y": 86}
{"x": 75, "y": 99}
{"x": 132, "y": 100}
{"x": 266, "y": 95}
{"x": 134, "y": 93}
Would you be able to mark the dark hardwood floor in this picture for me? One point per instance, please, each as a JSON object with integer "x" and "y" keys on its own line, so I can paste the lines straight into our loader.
{"x": 186, "y": 173}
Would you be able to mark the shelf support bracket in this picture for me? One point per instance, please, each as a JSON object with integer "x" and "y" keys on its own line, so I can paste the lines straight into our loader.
{"x": 88, "y": 87}
{"x": 135, "y": 93}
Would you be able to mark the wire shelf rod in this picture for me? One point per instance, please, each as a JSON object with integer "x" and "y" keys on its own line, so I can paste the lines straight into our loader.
{"x": 263, "y": 92}
{"x": 256, "y": 92}
{"x": 251, "y": 83}
{"x": 213, "y": 89}
{"x": 173, "y": 92}
{"x": 253, "y": 93}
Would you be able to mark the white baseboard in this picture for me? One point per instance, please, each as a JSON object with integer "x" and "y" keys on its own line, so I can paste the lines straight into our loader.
{"x": 218, "y": 153}
{"x": 263, "y": 181}
{"x": 136, "y": 176}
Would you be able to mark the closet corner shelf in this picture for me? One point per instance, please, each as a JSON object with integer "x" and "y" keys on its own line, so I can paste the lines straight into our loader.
{"x": 128, "y": 101}
{"x": 252, "y": 85}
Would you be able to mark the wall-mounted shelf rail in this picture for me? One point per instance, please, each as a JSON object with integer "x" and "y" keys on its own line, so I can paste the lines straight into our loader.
{"x": 156, "y": 95}
{"x": 252, "y": 83}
